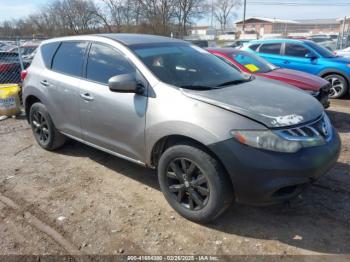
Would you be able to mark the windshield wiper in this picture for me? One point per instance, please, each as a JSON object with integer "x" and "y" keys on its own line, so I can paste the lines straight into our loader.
{"x": 198, "y": 87}
{"x": 235, "y": 82}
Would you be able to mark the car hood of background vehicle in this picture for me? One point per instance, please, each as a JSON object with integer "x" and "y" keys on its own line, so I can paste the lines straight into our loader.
{"x": 296, "y": 78}
{"x": 263, "y": 100}
{"x": 340, "y": 59}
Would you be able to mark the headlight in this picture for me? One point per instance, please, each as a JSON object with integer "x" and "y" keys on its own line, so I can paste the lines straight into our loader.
{"x": 277, "y": 141}
{"x": 267, "y": 140}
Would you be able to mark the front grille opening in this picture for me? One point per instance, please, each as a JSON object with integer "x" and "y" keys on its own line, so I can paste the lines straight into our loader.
{"x": 286, "y": 191}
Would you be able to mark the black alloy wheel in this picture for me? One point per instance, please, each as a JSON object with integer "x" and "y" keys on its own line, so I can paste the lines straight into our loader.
{"x": 188, "y": 184}
{"x": 40, "y": 127}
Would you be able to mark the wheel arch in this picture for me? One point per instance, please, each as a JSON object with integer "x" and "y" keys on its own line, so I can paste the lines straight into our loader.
{"x": 29, "y": 101}
{"x": 170, "y": 140}
{"x": 327, "y": 72}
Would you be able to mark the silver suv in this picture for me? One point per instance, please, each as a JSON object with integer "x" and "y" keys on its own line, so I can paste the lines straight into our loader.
{"x": 213, "y": 133}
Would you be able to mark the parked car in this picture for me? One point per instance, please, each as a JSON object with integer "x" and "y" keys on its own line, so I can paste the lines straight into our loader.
{"x": 212, "y": 133}
{"x": 325, "y": 40}
{"x": 253, "y": 64}
{"x": 200, "y": 43}
{"x": 307, "y": 56}
{"x": 345, "y": 52}
{"x": 238, "y": 43}
{"x": 10, "y": 67}
{"x": 26, "y": 50}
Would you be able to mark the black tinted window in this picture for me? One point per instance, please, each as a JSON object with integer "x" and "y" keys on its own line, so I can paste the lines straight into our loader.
{"x": 254, "y": 47}
{"x": 48, "y": 51}
{"x": 69, "y": 58}
{"x": 296, "y": 50}
{"x": 270, "y": 48}
{"x": 105, "y": 62}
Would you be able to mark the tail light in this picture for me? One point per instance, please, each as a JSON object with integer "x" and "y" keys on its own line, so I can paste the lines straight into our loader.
{"x": 24, "y": 74}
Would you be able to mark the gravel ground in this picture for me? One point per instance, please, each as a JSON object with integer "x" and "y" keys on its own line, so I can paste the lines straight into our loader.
{"x": 79, "y": 200}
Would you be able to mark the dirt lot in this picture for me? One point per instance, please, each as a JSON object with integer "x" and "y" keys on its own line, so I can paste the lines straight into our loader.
{"x": 79, "y": 200}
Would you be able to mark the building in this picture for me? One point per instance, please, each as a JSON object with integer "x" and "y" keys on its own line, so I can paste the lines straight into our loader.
{"x": 262, "y": 25}
{"x": 271, "y": 26}
{"x": 202, "y": 32}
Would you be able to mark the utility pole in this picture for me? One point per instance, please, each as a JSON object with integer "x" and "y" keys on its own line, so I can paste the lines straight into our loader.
{"x": 212, "y": 13}
{"x": 343, "y": 34}
{"x": 244, "y": 12}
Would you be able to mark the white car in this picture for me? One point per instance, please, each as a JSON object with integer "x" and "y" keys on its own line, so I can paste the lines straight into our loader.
{"x": 345, "y": 52}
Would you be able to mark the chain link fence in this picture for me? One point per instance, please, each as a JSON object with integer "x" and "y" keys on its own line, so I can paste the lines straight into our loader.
{"x": 16, "y": 55}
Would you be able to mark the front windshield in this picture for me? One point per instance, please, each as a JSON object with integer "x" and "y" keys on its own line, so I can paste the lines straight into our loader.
{"x": 324, "y": 52}
{"x": 253, "y": 63}
{"x": 187, "y": 66}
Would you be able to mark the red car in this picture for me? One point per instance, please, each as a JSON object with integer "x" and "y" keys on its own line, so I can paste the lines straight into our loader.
{"x": 253, "y": 64}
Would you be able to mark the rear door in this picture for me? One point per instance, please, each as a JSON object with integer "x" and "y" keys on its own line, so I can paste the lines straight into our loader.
{"x": 112, "y": 120}
{"x": 295, "y": 58}
{"x": 61, "y": 83}
{"x": 272, "y": 53}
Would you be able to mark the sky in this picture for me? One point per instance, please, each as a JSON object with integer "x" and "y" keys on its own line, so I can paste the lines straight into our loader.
{"x": 10, "y": 9}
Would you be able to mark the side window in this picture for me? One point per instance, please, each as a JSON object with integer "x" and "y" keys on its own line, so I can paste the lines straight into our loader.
{"x": 69, "y": 58}
{"x": 104, "y": 62}
{"x": 273, "y": 48}
{"x": 48, "y": 51}
{"x": 296, "y": 50}
{"x": 254, "y": 47}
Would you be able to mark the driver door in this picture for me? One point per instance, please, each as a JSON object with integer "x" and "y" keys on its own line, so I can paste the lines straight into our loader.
{"x": 111, "y": 120}
{"x": 295, "y": 58}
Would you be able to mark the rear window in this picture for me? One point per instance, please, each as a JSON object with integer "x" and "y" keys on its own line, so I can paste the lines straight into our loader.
{"x": 273, "y": 48}
{"x": 69, "y": 58}
{"x": 48, "y": 51}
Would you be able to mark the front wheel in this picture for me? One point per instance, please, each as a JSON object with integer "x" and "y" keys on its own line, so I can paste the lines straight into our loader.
{"x": 339, "y": 85}
{"x": 194, "y": 183}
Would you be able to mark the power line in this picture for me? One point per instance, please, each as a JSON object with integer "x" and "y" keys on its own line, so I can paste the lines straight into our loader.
{"x": 297, "y": 3}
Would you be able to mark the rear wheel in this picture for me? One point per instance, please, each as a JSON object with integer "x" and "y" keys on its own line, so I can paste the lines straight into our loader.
{"x": 339, "y": 85}
{"x": 194, "y": 183}
{"x": 45, "y": 132}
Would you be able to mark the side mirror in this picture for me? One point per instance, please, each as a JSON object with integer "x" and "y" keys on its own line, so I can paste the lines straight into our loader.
{"x": 311, "y": 56}
{"x": 125, "y": 83}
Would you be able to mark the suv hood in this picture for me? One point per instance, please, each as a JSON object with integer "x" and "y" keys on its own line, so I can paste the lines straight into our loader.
{"x": 340, "y": 59}
{"x": 266, "y": 101}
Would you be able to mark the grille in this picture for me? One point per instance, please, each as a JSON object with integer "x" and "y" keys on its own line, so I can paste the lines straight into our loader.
{"x": 319, "y": 129}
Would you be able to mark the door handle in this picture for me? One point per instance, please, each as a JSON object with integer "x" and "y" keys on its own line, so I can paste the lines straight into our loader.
{"x": 44, "y": 83}
{"x": 86, "y": 97}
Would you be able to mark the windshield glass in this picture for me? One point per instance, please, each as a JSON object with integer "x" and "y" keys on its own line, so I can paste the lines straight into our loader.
{"x": 187, "y": 66}
{"x": 253, "y": 63}
{"x": 321, "y": 50}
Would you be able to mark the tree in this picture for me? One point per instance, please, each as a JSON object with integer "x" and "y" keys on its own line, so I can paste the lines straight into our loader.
{"x": 186, "y": 10}
{"x": 223, "y": 11}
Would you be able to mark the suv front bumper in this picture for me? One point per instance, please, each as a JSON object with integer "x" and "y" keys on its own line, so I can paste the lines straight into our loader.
{"x": 264, "y": 177}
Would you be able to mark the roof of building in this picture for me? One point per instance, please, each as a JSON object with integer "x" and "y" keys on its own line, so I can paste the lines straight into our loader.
{"x": 299, "y": 21}
{"x": 268, "y": 20}
{"x": 202, "y": 27}
{"x": 318, "y": 21}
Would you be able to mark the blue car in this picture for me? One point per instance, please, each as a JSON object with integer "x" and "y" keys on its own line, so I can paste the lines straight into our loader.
{"x": 307, "y": 56}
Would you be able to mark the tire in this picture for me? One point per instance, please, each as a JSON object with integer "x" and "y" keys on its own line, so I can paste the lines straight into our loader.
{"x": 45, "y": 132}
{"x": 339, "y": 85}
{"x": 216, "y": 193}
